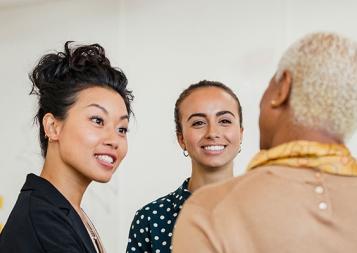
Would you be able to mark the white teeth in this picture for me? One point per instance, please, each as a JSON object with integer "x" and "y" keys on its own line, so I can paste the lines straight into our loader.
{"x": 214, "y": 148}
{"x": 105, "y": 158}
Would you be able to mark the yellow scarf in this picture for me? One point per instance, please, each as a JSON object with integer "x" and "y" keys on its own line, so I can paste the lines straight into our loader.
{"x": 331, "y": 158}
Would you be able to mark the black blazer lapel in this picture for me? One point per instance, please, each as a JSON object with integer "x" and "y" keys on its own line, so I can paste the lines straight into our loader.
{"x": 81, "y": 230}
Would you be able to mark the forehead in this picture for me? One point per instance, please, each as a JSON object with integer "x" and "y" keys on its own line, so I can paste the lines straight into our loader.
{"x": 208, "y": 99}
{"x": 107, "y": 98}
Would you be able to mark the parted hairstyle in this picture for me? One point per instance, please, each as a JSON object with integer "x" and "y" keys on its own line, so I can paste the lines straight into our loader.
{"x": 323, "y": 96}
{"x": 202, "y": 84}
{"x": 59, "y": 77}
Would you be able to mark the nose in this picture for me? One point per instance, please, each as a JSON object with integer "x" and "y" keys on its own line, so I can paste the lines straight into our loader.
{"x": 113, "y": 145}
{"x": 212, "y": 132}
{"x": 111, "y": 139}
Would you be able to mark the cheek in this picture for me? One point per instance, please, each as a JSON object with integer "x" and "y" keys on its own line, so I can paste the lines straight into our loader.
{"x": 233, "y": 134}
{"x": 82, "y": 136}
{"x": 191, "y": 137}
{"x": 88, "y": 137}
{"x": 123, "y": 147}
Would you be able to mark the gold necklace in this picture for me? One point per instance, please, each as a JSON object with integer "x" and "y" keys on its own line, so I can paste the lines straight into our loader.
{"x": 93, "y": 233}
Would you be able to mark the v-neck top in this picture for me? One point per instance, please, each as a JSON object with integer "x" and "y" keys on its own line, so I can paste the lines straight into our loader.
{"x": 152, "y": 226}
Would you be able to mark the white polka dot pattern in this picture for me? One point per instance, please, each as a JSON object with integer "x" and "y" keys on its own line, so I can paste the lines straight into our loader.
{"x": 152, "y": 226}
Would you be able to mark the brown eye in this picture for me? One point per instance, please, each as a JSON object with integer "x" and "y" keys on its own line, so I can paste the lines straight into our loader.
{"x": 122, "y": 130}
{"x": 198, "y": 123}
{"x": 225, "y": 121}
{"x": 97, "y": 120}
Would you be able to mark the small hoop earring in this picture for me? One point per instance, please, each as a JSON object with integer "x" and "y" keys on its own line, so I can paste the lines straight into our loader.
{"x": 49, "y": 139}
{"x": 185, "y": 153}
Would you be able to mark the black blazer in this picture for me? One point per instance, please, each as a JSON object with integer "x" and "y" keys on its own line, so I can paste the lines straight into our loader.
{"x": 43, "y": 220}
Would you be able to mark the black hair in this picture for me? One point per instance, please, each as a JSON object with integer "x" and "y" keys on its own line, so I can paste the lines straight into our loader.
{"x": 59, "y": 77}
{"x": 202, "y": 84}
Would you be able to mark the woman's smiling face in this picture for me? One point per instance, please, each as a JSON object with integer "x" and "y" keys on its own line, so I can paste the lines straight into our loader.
{"x": 92, "y": 139}
{"x": 211, "y": 132}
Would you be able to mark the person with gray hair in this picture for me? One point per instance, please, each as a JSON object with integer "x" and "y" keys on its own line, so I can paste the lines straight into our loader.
{"x": 299, "y": 191}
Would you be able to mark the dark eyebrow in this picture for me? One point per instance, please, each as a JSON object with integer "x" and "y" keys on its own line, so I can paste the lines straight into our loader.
{"x": 197, "y": 115}
{"x": 100, "y": 107}
{"x": 224, "y": 112}
{"x": 220, "y": 113}
{"x": 106, "y": 112}
{"x": 124, "y": 117}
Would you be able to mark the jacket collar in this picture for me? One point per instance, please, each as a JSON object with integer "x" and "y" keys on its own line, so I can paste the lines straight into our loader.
{"x": 180, "y": 195}
{"x": 41, "y": 185}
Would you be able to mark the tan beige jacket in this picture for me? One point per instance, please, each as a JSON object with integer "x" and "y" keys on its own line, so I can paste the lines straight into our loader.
{"x": 271, "y": 209}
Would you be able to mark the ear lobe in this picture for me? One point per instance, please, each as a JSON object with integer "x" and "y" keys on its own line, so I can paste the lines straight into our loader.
{"x": 51, "y": 126}
{"x": 180, "y": 140}
{"x": 241, "y": 134}
{"x": 284, "y": 89}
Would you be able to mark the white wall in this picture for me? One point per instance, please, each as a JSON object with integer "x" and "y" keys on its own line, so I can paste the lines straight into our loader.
{"x": 162, "y": 46}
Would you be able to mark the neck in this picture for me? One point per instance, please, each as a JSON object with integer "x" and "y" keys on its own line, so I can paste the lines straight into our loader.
{"x": 286, "y": 131}
{"x": 69, "y": 183}
{"x": 202, "y": 175}
{"x": 308, "y": 135}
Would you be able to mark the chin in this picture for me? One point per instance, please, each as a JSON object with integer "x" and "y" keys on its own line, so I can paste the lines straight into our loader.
{"x": 215, "y": 165}
{"x": 103, "y": 179}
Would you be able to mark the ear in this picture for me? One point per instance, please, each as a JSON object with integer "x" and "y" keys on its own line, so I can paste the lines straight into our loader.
{"x": 52, "y": 126}
{"x": 180, "y": 140}
{"x": 241, "y": 134}
{"x": 284, "y": 85}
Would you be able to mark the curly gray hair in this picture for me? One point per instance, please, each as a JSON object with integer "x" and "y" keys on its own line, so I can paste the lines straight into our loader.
{"x": 323, "y": 96}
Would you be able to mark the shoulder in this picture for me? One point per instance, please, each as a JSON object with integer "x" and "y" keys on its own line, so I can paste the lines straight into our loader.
{"x": 45, "y": 209}
{"x": 245, "y": 186}
{"x": 156, "y": 204}
{"x": 36, "y": 222}
{"x": 45, "y": 213}
{"x": 36, "y": 203}
{"x": 168, "y": 201}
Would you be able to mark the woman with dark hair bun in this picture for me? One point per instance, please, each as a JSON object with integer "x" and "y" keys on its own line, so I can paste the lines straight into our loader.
{"x": 83, "y": 115}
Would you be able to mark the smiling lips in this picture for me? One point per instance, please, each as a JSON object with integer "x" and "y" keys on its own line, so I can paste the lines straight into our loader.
{"x": 105, "y": 158}
{"x": 214, "y": 148}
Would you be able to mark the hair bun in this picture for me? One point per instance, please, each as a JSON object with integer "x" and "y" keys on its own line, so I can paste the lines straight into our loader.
{"x": 84, "y": 57}
{"x": 64, "y": 65}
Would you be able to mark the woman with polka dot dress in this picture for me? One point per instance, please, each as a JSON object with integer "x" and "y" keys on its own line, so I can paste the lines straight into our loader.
{"x": 208, "y": 118}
